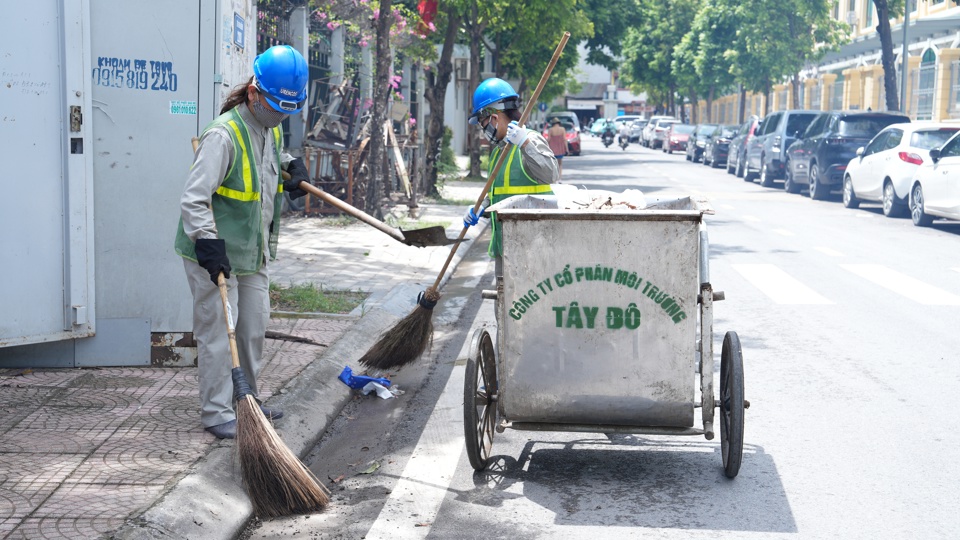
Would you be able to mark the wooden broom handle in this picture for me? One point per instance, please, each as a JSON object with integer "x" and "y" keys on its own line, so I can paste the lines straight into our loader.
{"x": 496, "y": 168}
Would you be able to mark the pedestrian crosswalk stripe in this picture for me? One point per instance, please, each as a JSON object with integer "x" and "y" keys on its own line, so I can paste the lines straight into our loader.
{"x": 904, "y": 285}
{"x": 957, "y": 269}
{"x": 781, "y": 287}
{"x": 784, "y": 232}
{"x": 829, "y": 252}
{"x": 750, "y": 218}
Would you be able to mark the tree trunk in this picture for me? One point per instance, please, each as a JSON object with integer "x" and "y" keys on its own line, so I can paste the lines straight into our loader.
{"x": 378, "y": 162}
{"x": 473, "y": 139}
{"x": 886, "y": 55}
{"x": 795, "y": 86}
{"x": 710, "y": 104}
{"x": 766, "y": 98}
{"x": 694, "y": 107}
{"x": 435, "y": 93}
{"x": 742, "y": 113}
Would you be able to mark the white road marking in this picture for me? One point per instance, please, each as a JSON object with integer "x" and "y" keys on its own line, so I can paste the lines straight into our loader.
{"x": 749, "y": 218}
{"x": 727, "y": 206}
{"x": 957, "y": 269}
{"x": 781, "y": 287}
{"x": 784, "y": 232}
{"x": 904, "y": 285}
{"x": 423, "y": 485}
{"x": 828, "y": 252}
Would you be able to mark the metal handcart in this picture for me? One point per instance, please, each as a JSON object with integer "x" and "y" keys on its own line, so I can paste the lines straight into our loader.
{"x": 604, "y": 325}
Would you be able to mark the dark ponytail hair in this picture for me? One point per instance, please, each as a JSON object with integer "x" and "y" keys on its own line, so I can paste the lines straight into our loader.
{"x": 237, "y": 96}
{"x": 514, "y": 114}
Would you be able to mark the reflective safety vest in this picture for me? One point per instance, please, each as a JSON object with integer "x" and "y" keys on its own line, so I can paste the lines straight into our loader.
{"x": 237, "y": 205}
{"x": 511, "y": 180}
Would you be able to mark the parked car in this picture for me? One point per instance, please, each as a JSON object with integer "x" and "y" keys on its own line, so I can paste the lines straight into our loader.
{"x": 573, "y": 137}
{"x": 718, "y": 145}
{"x": 767, "y": 149}
{"x": 675, "y": 137}
{"x": 935, "y": 192}
{"x": 659, "y": 132}
{"x": 883, "y": 170}
{"x": 819, "y": 158}
{"x": 646, "y": 136}
{"x": 738, "y": 146}
{"x": 698, "y": 141}
{"x": 636, "y": 128}
{"x": 566, "y": 117}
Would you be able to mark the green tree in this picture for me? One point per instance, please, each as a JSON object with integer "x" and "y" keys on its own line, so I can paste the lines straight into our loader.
{"x": 611, "y": 20}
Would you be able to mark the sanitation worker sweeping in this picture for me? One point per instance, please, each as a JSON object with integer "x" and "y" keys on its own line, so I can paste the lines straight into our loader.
{"x": 407, "y": 340}
{"x": 229, "y": 227}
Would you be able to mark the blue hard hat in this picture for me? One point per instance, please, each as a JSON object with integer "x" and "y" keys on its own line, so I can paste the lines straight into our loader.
{"x": 281, "y": 74}
{"x": 495, "y": 93}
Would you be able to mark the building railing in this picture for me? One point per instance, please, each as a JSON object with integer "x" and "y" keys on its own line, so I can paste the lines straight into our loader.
{"x": 953, "y": 105}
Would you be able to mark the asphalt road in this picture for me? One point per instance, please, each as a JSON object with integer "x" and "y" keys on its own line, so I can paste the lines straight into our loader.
{"x": 847, "y": 320}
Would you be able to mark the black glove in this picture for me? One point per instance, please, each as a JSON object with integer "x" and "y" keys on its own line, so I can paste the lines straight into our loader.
{"x": 298, "y": 173}
{"x": 212, "y": 255}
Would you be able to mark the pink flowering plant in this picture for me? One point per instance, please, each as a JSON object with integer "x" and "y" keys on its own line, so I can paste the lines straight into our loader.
{"x": 357, "y": 18}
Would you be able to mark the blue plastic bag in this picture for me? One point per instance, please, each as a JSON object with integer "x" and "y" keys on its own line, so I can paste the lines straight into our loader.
{"x": 359, "y": 381}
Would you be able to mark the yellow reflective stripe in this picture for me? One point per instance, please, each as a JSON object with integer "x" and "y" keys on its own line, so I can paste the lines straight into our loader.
{"x": 247, "y": 177}
{"x": 506, "y": 174}
{"x": 238, "y": 195}
{"x": 524, "y": 190}
{"x": 278, "y": 141}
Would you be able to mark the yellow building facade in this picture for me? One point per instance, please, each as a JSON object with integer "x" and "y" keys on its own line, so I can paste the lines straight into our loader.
{"x": 852, "y": 78}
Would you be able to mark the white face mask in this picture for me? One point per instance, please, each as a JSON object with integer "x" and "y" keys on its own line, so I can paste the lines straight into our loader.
{"x": 490, "y": 132}
{"x": 267, "y": 115}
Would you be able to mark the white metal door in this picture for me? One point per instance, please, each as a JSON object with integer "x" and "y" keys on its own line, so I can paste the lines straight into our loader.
{"x": 46, "y": 279}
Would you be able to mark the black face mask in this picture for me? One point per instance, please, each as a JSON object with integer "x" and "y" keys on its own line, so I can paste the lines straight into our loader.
{"x": 266, "y": 115}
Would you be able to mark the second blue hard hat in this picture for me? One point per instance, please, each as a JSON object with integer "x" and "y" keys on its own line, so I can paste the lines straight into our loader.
{"x": 496, "y": 93}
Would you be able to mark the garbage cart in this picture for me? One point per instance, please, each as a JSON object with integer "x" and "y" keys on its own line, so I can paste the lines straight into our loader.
{"x": 604, "y": 325}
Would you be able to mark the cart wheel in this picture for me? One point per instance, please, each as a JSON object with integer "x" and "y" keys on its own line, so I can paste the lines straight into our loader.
{"x": 731, "y": 404}
{"x": 479, "y": 399}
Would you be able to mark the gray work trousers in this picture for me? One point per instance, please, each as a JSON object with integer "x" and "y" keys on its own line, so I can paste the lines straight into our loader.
{"x": 250, "y": 305}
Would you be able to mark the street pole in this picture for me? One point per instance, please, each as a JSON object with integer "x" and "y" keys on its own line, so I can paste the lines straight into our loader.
{"x": 903, "y": 58}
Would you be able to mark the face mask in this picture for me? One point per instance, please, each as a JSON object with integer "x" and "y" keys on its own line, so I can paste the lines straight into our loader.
{"x": 490, "y": 132}
{"x": 266, "y": 115}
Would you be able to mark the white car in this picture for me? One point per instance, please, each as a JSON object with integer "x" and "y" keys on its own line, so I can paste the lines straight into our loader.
{"x": 935, "y": 192}
{"x": 883, "y": 170}
{"x": 647, "y": 135}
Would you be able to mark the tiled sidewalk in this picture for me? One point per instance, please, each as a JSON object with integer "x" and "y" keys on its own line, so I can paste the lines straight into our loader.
{"x": 84, "y": 449}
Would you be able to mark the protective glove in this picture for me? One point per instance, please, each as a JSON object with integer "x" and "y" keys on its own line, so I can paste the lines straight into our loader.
{"x": 470, "y": 218}
{"x": 212, "y": 255}
{"x": 516, "y": 135}
{"x": 298, "y": 173}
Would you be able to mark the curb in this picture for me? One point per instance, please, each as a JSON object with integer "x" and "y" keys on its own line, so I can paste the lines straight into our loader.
{"x": 209, "y": 502}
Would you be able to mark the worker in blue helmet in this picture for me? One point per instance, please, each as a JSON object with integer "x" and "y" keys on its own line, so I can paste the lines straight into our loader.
{"x": 229, "y": 223}
{"x": 530, "y": 165}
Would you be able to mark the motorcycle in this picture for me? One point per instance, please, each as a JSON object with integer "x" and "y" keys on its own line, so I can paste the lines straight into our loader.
{"x": 624, "y": 141}
{"x": 607, "y": 138}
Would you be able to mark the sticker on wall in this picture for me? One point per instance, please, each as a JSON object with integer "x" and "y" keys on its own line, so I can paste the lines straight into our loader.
{"x": 183, "y": 107}
{"x": 238, "y": 30}
{"x": 134, "y": 74}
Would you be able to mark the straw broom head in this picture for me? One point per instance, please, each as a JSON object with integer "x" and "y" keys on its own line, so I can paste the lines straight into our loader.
{"x": 277, "y": 483}
{"x": 407, "y": 340}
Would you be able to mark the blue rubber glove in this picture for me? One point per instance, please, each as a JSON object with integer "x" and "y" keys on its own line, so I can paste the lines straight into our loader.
{"x": 516, "y": 135}
{"x": 470, "y": 218}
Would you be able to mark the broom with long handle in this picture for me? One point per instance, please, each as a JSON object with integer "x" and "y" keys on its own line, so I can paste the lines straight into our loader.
{"x": 407, "y": 340}
{"x": 276, "y": 481}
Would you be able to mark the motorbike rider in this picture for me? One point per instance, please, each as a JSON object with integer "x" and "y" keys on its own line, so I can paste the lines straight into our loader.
{"x": 609, "y": 131}
{"x": 624, "y": 139}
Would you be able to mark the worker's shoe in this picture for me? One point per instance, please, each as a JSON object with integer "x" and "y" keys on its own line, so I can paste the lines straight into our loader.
{"x": 226, "y": 430}
{"x": 272, "y": 414}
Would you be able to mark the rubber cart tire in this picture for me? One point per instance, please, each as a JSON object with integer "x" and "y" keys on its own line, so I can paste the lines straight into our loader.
{"x": 731, "y": 404}
{"x": 479, "y": 399}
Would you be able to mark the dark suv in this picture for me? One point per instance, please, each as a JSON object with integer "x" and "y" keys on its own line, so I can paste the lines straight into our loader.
{"x": 820, "y": 156}
{"x": 767, "y": 150}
